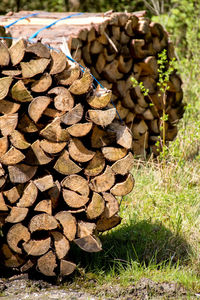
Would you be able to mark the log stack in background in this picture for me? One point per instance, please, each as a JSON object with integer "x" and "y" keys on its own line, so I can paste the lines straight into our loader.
{"x": 64, "y": 158}
{"x": 116, "y": 47}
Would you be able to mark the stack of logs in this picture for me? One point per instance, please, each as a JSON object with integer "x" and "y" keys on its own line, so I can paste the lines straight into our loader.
{"x": 116, "y": 47}
{"x": 65, "y": 159}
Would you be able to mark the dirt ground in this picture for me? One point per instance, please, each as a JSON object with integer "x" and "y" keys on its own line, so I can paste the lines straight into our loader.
{"x": 21, "y": 287}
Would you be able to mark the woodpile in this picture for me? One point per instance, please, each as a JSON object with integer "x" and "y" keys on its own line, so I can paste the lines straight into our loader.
{"x": 64, "y": 159}
{"x": 116, "y": 47}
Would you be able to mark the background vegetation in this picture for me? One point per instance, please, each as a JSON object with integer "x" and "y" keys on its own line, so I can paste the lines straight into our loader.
{"x": 159, "y": 237}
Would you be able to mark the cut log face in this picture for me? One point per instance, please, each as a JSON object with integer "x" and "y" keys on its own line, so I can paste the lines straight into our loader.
{"x": 13, "y": 194}
{"x": 20, "y": 93}
{"x": 37, "y": 107}
{"x": 18, "y": 141}
{"x": 16, "y": 234}
{"x": 103, "y": 182}
{"x": 112, "y": 205}
{"x": 3, "y": 145}
{"x": 54, "y": 133}
{"x": 4, "y": 55}
{"x": 69, "y": 75}
{"x": 34, "y": 67}
{"x": 113, "y": 154}
{"x": 29, "y": 195}
{"x": 21, "y": 173}
{"x": 104, "y": 224}
{"x": 47, "y": 263}
{"x": 123, "y": 165}
{"x": 39, "y": 50}
{"x": 58, "y": 62}
{"x": 36, "y": 156}
{"x": 11, "y": 260}
{"x": 17, "y": 52}
{"x": 123, "y": 133}
{"x": 123, "y": 188}
{"x": 63, "y": 100}
{"x": 68, "y": 223}
{"x": 44, "y": 206}
{"x": 101, "y": 138}
{"x": 54, "y": 194}
{"x": 78, "y": 151}
{"x": 73, "y": 199}
{"x": 17, "y": 214}
{"x": 8, "y": 107}
{"x": 44, "y": 183}
{"x": 42, "y": 222}
{"x": 102, "y": 117}
{"x": 61, "y": 244}
{"x": 96, "y": 206}
{"x": 5, "y": 83}
{"x": 8, "y": 123}
{"x": 65, "y": 165}
{"x": 12, "y": 157}
{"x": 89, "y": 243}
{"x": 96, "y": 165}
{"x": 3, "y": 206}
{"x": 42, "y": 84}
{"x": 53, "y": 113}
{"x": 77, "y": 184}
{"x": 85, "y": 229}
{"x": 27, "y": 266}
{"x": 51, "y": 147}
{"x": 37, "y": 247}
{"x": 100, "y": 99}
{"x": 12, "y": 73}
{"x": 26, "y": 125}
{"x": 66, "y": 267}
{"x": 73, "y": 116}
{"x": 80, "y": 129}
{"x": 82, "y": 85}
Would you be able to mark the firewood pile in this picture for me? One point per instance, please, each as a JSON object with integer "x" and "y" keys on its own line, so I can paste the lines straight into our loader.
{"x": 65, "y": 159}
{"x": 116, "y": 47}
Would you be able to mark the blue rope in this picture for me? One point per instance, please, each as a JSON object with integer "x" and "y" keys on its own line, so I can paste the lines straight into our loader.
{"x": 82, "y": 69}
{"x": 8, "y": 38}
{"x": 51, "y": 24}
{"x": 22, "y": 18}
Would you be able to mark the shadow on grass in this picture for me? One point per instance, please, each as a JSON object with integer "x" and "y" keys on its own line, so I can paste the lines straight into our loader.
{"x": 144, "y": 242}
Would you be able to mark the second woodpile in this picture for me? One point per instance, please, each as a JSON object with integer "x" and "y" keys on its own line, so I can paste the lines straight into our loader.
{"x": 65, "y": 160}
{"x": 116, "y": 47}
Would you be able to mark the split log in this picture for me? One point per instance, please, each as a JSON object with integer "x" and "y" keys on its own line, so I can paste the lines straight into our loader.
{"x": 47, "y": 263}
{"x": 29, "y": 195}
{"x": 61, "y": 244}
{"x": 65, "y": 165}
{"x": 66, "y": 267}
{"x": 103, "y": 182}
{"x": 37, "y": 247}
{"x": 17, "y": 214}
{"x": 89, "y": 243}
{"x": 16, "y": 234}
{"x": 123, "y": 188}
{"x": 96, "y": 206}
{"x": 68, "y": 223}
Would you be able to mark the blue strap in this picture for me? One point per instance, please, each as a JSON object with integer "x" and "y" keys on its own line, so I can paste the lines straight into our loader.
{"x": 51, "y": 24}
{"x": 22, "y": 18}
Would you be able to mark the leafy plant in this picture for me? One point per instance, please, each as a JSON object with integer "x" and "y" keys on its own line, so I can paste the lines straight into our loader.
{"x": 165, "y": 69}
